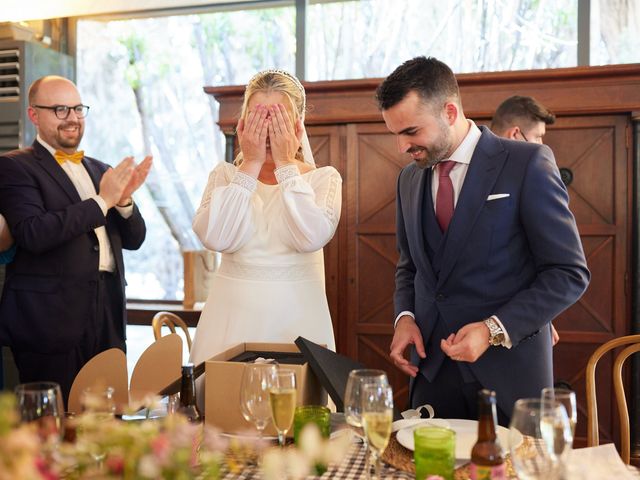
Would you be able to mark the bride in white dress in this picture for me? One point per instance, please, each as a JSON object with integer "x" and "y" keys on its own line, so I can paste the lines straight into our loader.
{"x": 269, "y": 215}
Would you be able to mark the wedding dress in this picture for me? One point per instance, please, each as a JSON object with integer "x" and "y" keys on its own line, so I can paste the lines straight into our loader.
{"x": 270, "y": 283}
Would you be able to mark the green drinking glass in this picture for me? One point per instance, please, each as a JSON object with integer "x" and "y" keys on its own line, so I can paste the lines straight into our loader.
{"x": 434, "y": 452}
{"x": 317, "y": 414}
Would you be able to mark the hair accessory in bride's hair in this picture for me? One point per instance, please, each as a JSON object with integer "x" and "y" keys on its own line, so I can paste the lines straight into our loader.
{"x": 284, "y": 73}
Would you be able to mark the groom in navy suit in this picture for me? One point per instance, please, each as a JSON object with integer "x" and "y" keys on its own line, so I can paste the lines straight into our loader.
{"x": 489, "y": 250}
{"x": 70, "y": 216}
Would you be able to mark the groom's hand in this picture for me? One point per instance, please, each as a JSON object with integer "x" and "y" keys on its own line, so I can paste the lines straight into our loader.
{"x": 406, "y": 333}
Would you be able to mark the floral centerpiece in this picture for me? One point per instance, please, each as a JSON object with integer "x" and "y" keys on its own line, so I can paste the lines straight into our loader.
{"x": 170, "y": 447}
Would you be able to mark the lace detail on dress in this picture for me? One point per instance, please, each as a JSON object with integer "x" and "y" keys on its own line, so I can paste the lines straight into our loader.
{"x": 286, "y": 172}
{"x": 245, "y": 181}
{"x": 332, "y": 211}
{"x": 296, "y": 272}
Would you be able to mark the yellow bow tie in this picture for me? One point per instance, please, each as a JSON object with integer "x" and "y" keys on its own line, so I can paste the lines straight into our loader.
{"x": 62, "y": 157}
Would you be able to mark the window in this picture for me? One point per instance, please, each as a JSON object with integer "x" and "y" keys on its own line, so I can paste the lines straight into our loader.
{"x": 370, "y": 38}
{"x": 614, "y": 32}
{"x": 143, "y": 79}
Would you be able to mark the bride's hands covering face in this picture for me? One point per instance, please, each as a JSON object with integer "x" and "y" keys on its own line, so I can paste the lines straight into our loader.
{"x": 252, "y": 135}
{"x": 284, "y": 139}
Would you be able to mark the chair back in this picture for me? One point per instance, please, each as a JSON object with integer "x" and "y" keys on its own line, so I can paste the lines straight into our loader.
{"x": 171, "y": 320}
{"x": 108, "y": 368}
{"x": 593, "y": 438}
{"x": 158, "y": 366}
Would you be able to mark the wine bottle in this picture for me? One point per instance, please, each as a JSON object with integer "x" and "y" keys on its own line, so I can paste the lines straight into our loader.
{"x": 188, "y": 406}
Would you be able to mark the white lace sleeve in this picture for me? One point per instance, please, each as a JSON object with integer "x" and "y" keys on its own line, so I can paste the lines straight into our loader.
{"x": 312, "y": 205}
{"x": 224, "y": 220}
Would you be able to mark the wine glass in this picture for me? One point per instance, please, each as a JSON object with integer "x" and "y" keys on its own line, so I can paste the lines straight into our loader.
{"x": 257, "y": 380}
{"x": 555, "y": 426}
{"x": 567, "y": 398}
{"x": 353, "y": 401}
{"x": 544, "y": 426}
{"x": 377, "y": 417}
{"x": 98, "y": 408}
{"x": 282, "y": 398}
{"x": 41, "y": 403}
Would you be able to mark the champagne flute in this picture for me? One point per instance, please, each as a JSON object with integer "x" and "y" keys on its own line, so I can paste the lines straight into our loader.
{"x": 282, "y": 398}
{"x": 41, "y": 403}
{"x": 540, "y": 423}
{"x": 257, "y": 380}
{"x": 353, "y": 401}
{"x": 377, "y": 417}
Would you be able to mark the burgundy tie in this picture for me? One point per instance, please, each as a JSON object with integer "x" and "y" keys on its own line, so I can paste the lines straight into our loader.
{"x": 444, "y": 197}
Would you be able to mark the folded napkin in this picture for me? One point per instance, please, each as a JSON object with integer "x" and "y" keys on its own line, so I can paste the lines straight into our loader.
{"x": 596, "y": 463}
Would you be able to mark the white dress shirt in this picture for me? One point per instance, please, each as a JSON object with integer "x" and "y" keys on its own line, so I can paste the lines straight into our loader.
{"x": 462, "y": 156}
{"x": 86, "y": 190}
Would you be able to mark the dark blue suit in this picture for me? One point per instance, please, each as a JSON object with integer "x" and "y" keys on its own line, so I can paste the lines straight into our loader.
{"x": 518, "y": 257}
{"x": 54, "y": 296}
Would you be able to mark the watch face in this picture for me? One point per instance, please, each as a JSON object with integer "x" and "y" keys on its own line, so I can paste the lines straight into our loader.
{"x": 497, "y": 339}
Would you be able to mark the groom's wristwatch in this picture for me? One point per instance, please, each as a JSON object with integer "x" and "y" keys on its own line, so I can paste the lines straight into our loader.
{"x": 496, "y": 334}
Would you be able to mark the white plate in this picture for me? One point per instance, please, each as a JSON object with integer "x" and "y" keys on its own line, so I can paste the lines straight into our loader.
{"x": 412, "y": 422}
{"x": 466, "y": 435}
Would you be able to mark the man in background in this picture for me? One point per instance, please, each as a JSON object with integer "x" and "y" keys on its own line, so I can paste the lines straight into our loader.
{"x": 70, "y": 216}
{"x": 522, "y": 118}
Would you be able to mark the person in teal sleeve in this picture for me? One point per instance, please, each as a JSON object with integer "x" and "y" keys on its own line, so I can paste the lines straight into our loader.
{"x": 7, "y": 252}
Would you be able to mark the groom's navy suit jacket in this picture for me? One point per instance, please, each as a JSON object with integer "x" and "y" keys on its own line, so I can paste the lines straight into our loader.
{"x": 50, "y": 294}
{"x": 518, "y": 257}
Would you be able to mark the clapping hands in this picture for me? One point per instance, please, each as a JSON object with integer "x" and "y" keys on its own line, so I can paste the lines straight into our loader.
{"x": 118, "y": 183}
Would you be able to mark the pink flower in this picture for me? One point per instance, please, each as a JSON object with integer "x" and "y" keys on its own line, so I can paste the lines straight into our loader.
{"x": 161, "y": 447}
{"x": 44, "y": 470}
{"x": 115, "y": 464}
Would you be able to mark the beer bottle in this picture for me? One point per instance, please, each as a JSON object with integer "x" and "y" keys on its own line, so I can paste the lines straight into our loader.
{"x": 188, "y": 406}
{"x": 487, "y": 458}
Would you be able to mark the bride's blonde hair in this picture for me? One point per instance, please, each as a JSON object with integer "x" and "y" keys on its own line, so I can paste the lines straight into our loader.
{"x": 279, "y": 81}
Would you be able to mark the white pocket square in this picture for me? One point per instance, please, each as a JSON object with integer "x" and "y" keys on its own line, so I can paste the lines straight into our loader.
{"x": 496, "y": 196}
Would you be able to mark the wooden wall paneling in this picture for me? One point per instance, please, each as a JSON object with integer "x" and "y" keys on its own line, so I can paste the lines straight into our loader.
{"x": 325, "y": 145}
{"x": 591, "y": 137}
{"x": 596, "y": 150}
{"x": 373, "y": 164}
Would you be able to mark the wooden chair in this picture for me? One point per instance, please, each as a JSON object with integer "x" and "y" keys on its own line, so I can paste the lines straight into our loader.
{"x": 621, "y": 401}
{"x": 158, "y": 366}
{"x": 171, "y": 320}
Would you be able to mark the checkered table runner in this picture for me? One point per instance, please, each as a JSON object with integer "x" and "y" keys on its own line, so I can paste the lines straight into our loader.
{"x": 352, "y": 467}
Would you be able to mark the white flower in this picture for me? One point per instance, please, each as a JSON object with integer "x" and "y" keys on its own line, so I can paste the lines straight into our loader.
{"x": 148, "y": 467}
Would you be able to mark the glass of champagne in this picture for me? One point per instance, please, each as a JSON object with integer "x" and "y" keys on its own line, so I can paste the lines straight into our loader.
{"x": 257, "y": 380}
{"x": 377, "y": 417}
{"x": 353, "y": 396}
{"x": 282, "y": 398}
{"x": 41, "y": 403}
{"x": 536, "y": 420}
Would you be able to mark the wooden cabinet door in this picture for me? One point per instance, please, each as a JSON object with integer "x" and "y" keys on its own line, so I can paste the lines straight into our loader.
{"x": 595, "y": 152}
{"x": 373, "y": 165}
{"x": 325, "y": 144}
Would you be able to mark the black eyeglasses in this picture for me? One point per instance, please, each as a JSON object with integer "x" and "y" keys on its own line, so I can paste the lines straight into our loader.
{"x": 523, "y": 135}
{"x": 62, "y": 111}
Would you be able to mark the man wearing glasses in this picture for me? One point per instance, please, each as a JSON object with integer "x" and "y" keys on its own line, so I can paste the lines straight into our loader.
{"x": 70, "y": 216}
{"x": 522, "y": 118}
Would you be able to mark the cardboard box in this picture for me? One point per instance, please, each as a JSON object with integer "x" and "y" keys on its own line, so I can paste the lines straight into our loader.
{"x": 224, "y": 378}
